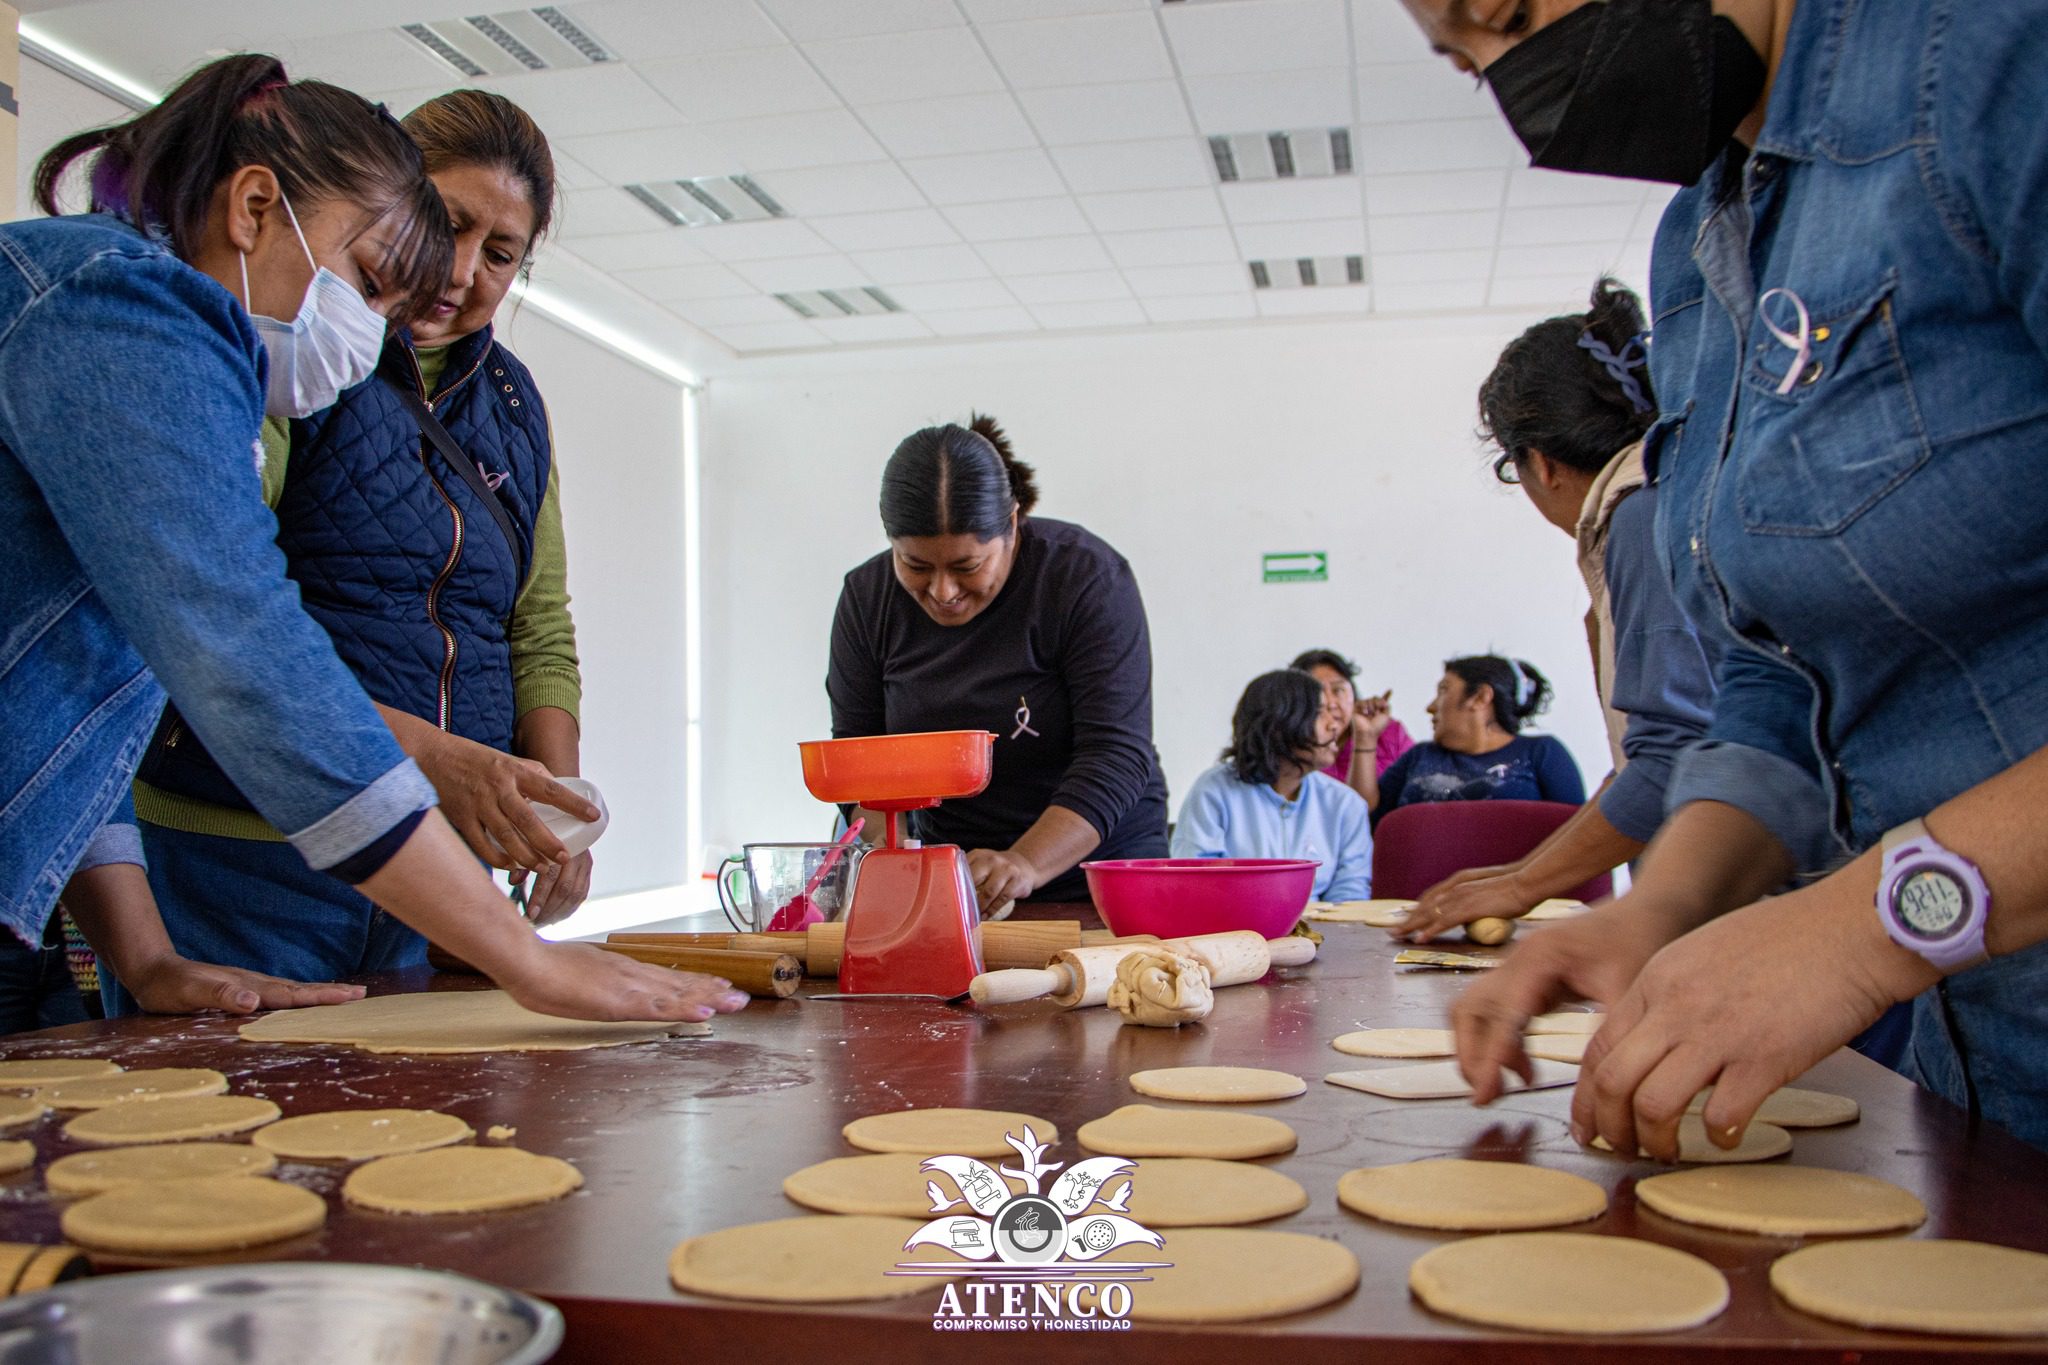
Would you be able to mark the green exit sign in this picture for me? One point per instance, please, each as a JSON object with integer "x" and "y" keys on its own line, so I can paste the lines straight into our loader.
{"x": 1302, "y": 566}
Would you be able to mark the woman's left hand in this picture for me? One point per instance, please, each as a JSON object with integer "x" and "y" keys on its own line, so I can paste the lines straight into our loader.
{"x": 1000, "y": 878}
{"x": 556, "y": 891}
{"x": 170, "y": 984}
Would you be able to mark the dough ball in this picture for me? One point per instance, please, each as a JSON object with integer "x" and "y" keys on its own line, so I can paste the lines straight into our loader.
{"x": 1490, "y": 930}
{"x": 1161, "y": 990}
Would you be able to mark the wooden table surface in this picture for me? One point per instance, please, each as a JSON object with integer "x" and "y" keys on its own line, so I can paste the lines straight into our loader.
{"x": 685, "y": 1137}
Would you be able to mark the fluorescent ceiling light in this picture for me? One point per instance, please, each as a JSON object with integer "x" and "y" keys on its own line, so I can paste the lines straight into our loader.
{"x": 552, "y": 305}
{"x": 53, "y": 52}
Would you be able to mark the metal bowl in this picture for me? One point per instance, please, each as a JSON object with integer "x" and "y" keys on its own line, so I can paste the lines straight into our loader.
{"x": 284, "y": 1313}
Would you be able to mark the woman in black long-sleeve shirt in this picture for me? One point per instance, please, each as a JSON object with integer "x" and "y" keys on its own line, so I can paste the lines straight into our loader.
{"x": 982, "y": 617}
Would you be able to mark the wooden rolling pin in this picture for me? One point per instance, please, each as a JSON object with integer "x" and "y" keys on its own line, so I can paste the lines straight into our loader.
{"x": 1080, "y": 977}
{"x": 1023, "y": 943}
{"x": 769, "y": 976}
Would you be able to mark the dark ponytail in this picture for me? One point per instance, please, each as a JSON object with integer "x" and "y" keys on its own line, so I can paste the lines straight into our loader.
{"x": 481, "y": 128}
{"x": 1519, "y": 691}
{"x": 955, "y": 480}
{"x": 1575, "y": 387}
{"x": 159, "y": 170}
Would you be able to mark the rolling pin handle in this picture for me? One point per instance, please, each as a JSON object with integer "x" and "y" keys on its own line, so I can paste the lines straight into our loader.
{"x": 1293, "y": 951}
{"x": 1013, "y": 985}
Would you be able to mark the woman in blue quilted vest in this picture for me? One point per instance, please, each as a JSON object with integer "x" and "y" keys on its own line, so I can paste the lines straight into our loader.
{"x": 453, "y": 612}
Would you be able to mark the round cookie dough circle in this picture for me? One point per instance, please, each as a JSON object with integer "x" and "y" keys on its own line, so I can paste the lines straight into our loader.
{"x": 1558, "y": 1047}
{"x": 16, "y": 1110}
{"x": 16, "y": 1156}
{"x": 84, "y": 1173}
{"x": 1398, "y": 1042}
{"x": 27, "y": 1073}
{"x": 1243, "y": 1274}
{"x": 459, "y": 1180}
{"x": 1760, "y": 1142}
{"x": 203, "y": 1116}
{"x": 166, "y": 1083}
{"x": 1568, "y": 1021}
{"x": 1148, "y": 1130}
{"x": 212, "y": 1213}
{"x": 1919, "y": 1285}
{"x": 1217, "y": 1084}
{"x": 803, "y": 1260}
{"x": 947, "y": 1132}
{"x": 1466, "y": 1196}
{"x": 359, "y": 1134}
{"x": 1569, "y": 1282}
{"x": 431, "y": 1022}
{"x": 1782, "y": 1201}
{"x": 1181, "y": 1192}
{"x": 883, "y": 1185}
{"x": 1791, "y": 1107}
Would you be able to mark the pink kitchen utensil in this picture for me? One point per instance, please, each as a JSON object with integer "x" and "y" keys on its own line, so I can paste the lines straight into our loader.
{"x": 800, "y": 912}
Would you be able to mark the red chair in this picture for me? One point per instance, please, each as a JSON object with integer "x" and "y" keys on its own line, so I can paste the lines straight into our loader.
{"x": 1418, "y": 846}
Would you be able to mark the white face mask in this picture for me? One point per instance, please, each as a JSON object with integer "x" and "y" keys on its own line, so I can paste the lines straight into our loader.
{"x": 333, "y": 344}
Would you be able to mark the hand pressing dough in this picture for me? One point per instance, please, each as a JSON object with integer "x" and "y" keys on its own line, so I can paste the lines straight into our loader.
{"x": 1571, "y": 1021}
{"x": 805, "y": 1260}
{"x": 1170, "y": 1192}
{"x": 1242, "y": 1274}
{"x": 29, "y": 1072}
{"x": 16, "y": 1156}
{"x": 16, "y": 1110}
{"x": 1161, "y": 990}
{"x": 1914, "y": 1285}
{"x": 1558, "y": 1047}
{"x": 450, "y": 1021}
{"x": 211, "y": 1213}
{"x": 1442, "y": 1081}
{"x": 203, "y": 1116}
{"x": 1398, "y": 1042}
{"x": 1217, "y": 1084}
{"x": 883, "y": 1185}
{"x": 1794, "y": 1108}
{"x": 85, "y": 1173}
{"x": 1760, "y": 1142}
{"x": 1486, "y": 1196}
{"x": 1147, "y": 1130}
{"x": 946, "y": 1132}
{"x": 97, "y": 1092}
{"x": 1555, "y": 909}
{"x": 1380, "y": 914}
{"x": 358, "y": 1134}
{"x": 1573, "y": 1282}
{"x": 460, "y": 1180}
{"x": 1782, "y": 1201}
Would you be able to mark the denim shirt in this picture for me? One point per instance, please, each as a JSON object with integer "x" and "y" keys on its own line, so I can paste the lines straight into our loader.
{"x": 1870, "y": 541}
{"x": 140, "y": 557}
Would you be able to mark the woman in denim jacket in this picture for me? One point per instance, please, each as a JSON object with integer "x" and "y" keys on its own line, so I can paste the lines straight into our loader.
{"x": 1850, "y": 306}
{"x": 140, "y": 347}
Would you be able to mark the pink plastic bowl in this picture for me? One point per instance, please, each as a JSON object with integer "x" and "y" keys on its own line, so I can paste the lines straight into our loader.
{"x": 1172, "y": 897}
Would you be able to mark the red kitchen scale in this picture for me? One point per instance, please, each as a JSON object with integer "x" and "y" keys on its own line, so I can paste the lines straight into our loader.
{"x": 914, "y": 925}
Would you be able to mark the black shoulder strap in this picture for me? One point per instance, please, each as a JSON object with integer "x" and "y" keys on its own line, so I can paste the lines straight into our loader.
{"x": 438, "y": 435}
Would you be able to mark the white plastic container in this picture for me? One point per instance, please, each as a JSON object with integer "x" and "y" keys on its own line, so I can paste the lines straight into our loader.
{"x": 576, "y": 835}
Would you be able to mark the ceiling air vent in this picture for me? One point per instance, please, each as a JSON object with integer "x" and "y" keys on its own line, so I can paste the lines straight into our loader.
{"x": 860, "y": 301}
{"x": 509, "y": 43}
{"x": 708, "y": 200}
{"x": 1309, "y": 272}
{"x": 1301, "y": 155}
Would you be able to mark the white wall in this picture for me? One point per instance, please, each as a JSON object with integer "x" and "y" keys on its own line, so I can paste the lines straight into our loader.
{"x": 1192, "y": 452}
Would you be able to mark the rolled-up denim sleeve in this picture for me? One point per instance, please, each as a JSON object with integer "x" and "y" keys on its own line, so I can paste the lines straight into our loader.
{"x": 158, "y": 495}
{"x": 119, "y": 840}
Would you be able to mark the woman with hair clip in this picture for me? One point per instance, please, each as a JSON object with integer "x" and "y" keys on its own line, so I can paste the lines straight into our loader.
{"x": 460, "y": 634}
{"x": 1476, "y": 750}
{"x": 251, "y": 236}
{"x": 1269, "y": 798}
{"x": 980, "y": 616}
{"x": 1567, "y": 404}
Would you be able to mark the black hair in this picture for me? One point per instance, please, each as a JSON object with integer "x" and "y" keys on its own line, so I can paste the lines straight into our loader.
{"x": 1519, "y": 691}
{"x": 1575, "y": 387}
{"x": 1311, "y": 659}
{"x": 1274, "y": 724}
{"x": 159, "y": 170}
{"x": 482, "y": 128}
{"x": 955, "y": 480}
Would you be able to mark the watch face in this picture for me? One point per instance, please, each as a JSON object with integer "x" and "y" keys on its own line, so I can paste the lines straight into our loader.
{"x": 1930, "y": 903}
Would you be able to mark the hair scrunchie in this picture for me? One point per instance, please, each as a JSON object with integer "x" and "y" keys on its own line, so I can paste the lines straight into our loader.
{"x": 1633, "y": 357}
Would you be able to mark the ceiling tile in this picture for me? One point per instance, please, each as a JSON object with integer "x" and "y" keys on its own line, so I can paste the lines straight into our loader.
{"x": 985, "y": 177}
{"x": 825, "y": 137}
{"x": 803, "y": 272}
{"x": 1277, "y": 35}
{"x": 1015, "y": 218}
{"x": 1288, "y": 201}
{"x": 1385, "y": 34}
{"x": 1202, "y": 307}
{"x": 967, "y": 322}
{"x": 1174, "y": 246}
{"x": 1435, "y": 231}
{"x": 601, "y": 213}
{"x": 921, "y": 265}
{"x": 571, "y": 174}
{"x": 583, "y": 101}
{"x": 1419, "y": 268}
{"x": 1138, "y": 210}
{"x": 734, "y": 85}
{"x": 371, "y": 60}
{"x": 1174, "y": 281}
{"x": 1394, "y": 297}
{"x": 673, "y": 153}
{"x": 711, "y": 313}
{"x": 1436, "y": 145}
{"x": 810, "y": 21}
{"x": 1108, "y": 313}
{"x": 1282, "y": 303}
{"x": 1554, "y": 293}
{"x": 639, "y": 30}
{"x": 1285, "y": 241}
{"x": 1124, "y": 112}
{"x": 759, "y": 241}
{"x": 864, "y": 187}
{"x": 996, "y": 11}
{"x": 904, "y": 66}
{"x": 950, "y": 125}
{"x": 1568, "y": 223}
{"x": 1084, "y": 50}
{"x": 1529, "y": 187}
{"x": 1159, "y": 164}
{"x": 1406, "y": 92}
{"x": 771, "y": 336}
{"x": 1272, "y": 101}
{"x": 1588, "y": 259}
{"x": 683, "y": 282}
{"x": 956, "y": 295}
{"x": 1087, "y": 286}
{"x": 1043, "y": 256}
{"x": 885, "y": 231}
{"x": 1441, "y": 192}
{"x": 641, "y": 250}
{"x": 879, "y": 327}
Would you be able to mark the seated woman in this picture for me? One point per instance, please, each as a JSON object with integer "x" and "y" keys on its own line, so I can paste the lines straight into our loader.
{"x": 1476, "y": 750}
{"x": 1371, "y": 739}
{"x": 1269, "y": 797}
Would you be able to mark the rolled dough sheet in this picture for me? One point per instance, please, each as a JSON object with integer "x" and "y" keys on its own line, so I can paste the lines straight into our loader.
{"x": 16, "y": 1156}
{"x": 805, "y": 1260}
{"x": 1919, "y": 1285}
{"x": 1782, "y": 1201}
{"x": 1398, "y": 1042}
{"x": 27, "y": 1073}
{"x": 1147, "y": 1130}
{"x": 84, "y": 1173}
{"x": 1569, "y": 1021}
{"x": 1558, "y": 1047}
{"x": 211, "y": 1213}
{"x": 946, "y": 1132}
{"x": 1466, "y": 1196}
{"x": 882, "y": 1185}
{"x": 1760, "y": 1142}
{"x": 1217, "y": 1084}
{"x": 203, "y": 1116}
{"x": 450, "y": 1021}
{"x": 460, "y": 1180}
{"x": 1570, "y": 1282}
{"x": 1180, "y": 1192}
{"x": 97, "y": 1092}
{"x": 1441, "y": 1081}
{"x": 1555, "y": 909}
{"x": 16, "y": 1110}
{"x": 1794, "y": 1108}
{"x": 1381, "y": 914}
{"x": 1242, "y": 1274}
{"x": 358, "y": 1134}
